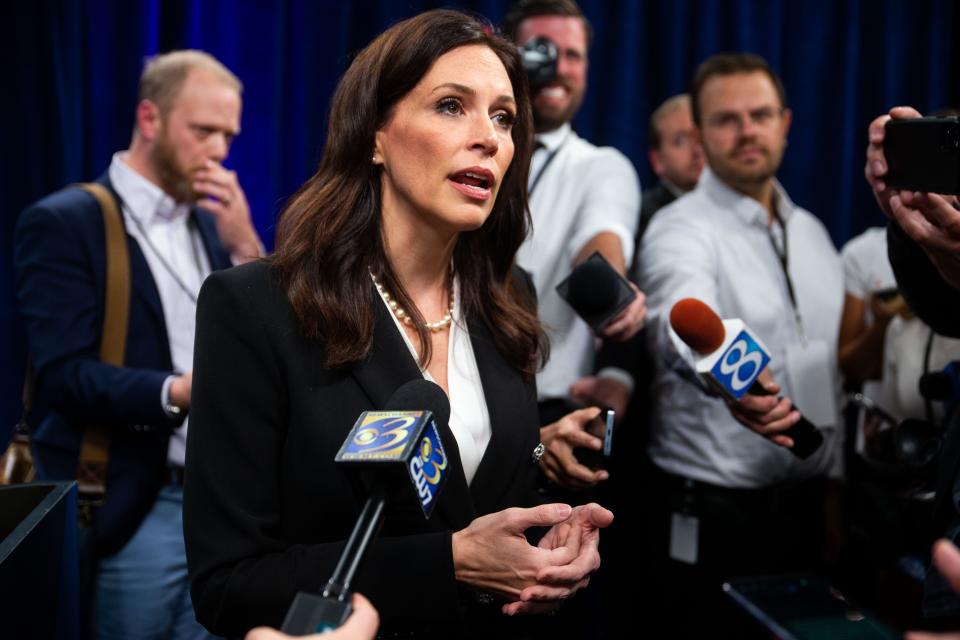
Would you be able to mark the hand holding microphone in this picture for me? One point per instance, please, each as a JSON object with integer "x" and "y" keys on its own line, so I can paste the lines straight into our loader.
{"x": 612, "y": 305}
{"x": 732, "y": 361}
{"x": 401, "y": 448}
{"x": 769, "y": 414}
{"x": 361, "y": 625}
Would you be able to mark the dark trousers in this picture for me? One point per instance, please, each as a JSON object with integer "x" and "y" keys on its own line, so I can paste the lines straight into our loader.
{"x": 615, "y": 600}
{"x": 741, "y": 532}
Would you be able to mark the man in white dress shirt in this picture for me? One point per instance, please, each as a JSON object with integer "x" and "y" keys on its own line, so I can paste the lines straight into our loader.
{"x": 733, "y": 500}
{"x": 184, "y": 215}
{"x": 583, "y": 199}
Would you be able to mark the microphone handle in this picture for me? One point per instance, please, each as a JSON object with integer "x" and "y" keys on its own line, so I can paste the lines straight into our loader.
{"x": 311, "y": 613}
{"x": 806, "y": 437}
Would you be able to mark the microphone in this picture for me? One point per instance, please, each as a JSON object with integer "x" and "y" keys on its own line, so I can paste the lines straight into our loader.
{"x": 399, "y": 446}
{"x": 943, "y": 386}
{"x": 596, "y": 291}
{"x": 731, "y": 358}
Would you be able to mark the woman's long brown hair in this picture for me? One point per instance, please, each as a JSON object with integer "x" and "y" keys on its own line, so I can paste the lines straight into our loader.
{"x": 329, "y": 235}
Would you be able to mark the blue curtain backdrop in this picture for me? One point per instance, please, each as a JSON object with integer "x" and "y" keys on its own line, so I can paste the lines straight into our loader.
{"x": 72, "y": 69}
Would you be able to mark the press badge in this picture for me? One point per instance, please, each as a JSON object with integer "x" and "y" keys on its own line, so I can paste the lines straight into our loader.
{"x": 810, "y": 374}
{"x": 684, "y": 531}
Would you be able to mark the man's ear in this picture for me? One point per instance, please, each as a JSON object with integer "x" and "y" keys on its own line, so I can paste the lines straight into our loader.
{"x": 149, "y": 122}
{"x": 654, "y": 156}
{"x": 787, "y": 118}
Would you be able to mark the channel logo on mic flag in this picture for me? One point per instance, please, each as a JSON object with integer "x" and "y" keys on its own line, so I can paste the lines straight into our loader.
{"x": 740, "y": 364}
{"x": 405, "y": 442}
{"x": 382, "y": 436}
{"x": 428, "y": 468}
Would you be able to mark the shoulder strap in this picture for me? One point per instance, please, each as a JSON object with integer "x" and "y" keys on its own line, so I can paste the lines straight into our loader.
{"x": 95, "y": 447}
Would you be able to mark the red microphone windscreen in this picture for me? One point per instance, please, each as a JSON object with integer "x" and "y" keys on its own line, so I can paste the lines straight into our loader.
{"x": 697, "y": 325}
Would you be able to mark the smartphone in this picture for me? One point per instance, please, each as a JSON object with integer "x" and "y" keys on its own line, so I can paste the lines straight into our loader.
{"x": 601, "y": 427}
{"x": 596, "y": 291}
{"x": 804, "y": 607}
{"x": 923, "y": 154}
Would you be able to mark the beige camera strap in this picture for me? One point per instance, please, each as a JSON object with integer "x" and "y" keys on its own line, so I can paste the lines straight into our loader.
{"x": 95, "y": 446}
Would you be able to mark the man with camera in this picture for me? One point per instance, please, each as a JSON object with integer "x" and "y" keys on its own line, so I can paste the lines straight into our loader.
{"x": 583, "y": 199}
{"x": 724, "y": 500}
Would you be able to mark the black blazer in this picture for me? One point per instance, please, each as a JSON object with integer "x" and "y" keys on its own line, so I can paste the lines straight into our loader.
{"x": 60, "y": 267}
{"x": 266, "y": 512}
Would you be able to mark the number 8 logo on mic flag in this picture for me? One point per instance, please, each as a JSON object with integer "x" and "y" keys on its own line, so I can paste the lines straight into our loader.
{"x": 740, "y": 365}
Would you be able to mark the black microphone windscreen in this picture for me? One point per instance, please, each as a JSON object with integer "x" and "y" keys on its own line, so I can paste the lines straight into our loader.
{"x": 594, "y": 288}
{"x": 936, "y": 385}
{"x": 417, "y": 395}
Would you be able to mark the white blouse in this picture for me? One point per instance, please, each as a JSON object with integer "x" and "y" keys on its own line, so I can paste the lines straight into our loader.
{"x": 469, "y": 418}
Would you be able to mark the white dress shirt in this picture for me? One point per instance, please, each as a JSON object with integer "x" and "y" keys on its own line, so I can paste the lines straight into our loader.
{"x": 174, "y": 251}
{"x": 715, "y": 244}
{"x": 579, "y": 190}
{"x": 904, "y": 361}
{"x": 866, "y": 268}
{"x": 469, "y": 417}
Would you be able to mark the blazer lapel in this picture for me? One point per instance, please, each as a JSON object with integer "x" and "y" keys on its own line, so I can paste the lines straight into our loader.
{"x": 506, "y": 396}
{"x": 386, "y": 368}
{"x": 217, "y": 255}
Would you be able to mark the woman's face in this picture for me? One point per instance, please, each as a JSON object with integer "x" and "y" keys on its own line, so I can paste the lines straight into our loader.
{"x": 447, "y": 144}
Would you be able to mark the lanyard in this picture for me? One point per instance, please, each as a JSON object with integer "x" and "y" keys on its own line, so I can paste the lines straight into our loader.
{"x": 191, "y": 223}
{"x": 546, "y": 163}
{"x": 791, "y": 291}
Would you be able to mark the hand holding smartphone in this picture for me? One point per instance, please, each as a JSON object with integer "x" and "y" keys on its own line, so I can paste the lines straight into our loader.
{"x": 601, "y": 427}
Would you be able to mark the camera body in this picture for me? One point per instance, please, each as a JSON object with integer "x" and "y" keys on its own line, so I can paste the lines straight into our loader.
{"x": 923, "y": 154}
{"x": 539, "y": 56}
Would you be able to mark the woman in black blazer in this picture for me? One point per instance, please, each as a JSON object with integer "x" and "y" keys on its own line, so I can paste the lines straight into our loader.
{"x": 415, "y": 214}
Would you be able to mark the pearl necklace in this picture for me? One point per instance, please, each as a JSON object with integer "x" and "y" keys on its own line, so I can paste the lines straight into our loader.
{"x": 405, "y": 318}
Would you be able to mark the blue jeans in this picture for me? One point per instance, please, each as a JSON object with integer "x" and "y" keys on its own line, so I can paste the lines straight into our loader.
{"x": 142, "y": 591}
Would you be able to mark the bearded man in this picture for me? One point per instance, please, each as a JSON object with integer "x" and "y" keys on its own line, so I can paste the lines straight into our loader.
{"x": 730, "y": 500}
{"x": 183, "y": 215}
{"x": 583, "y": 199}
